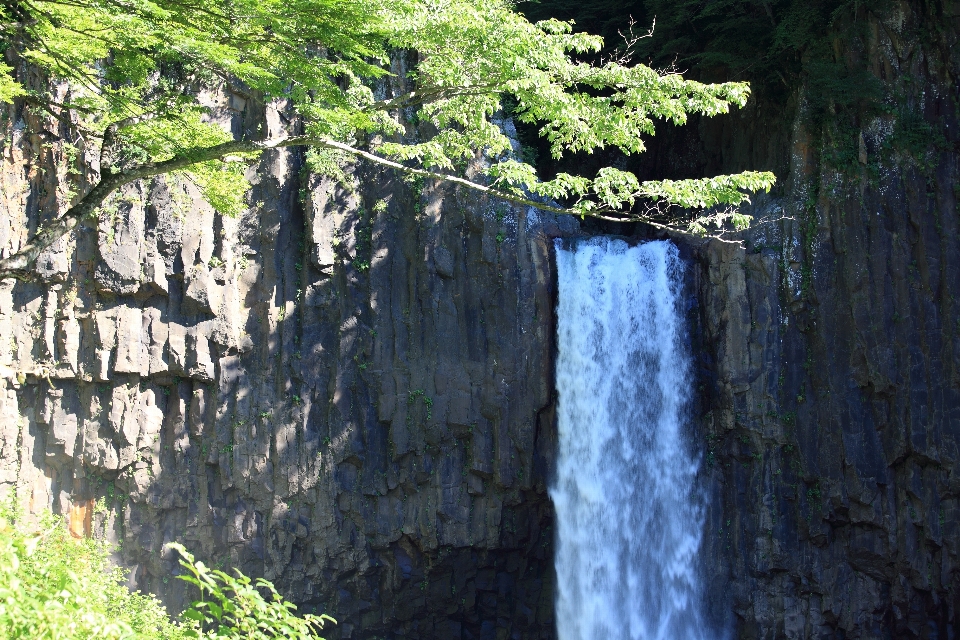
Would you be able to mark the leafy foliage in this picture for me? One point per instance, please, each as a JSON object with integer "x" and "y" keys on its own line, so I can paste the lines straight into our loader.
{"x": 135, "y": 70}
{"x": 140, "y": 65}
{"x": 56, "y": 587}
{"x": 474, "y": 54}
{"x": 232, "y": 607}
{"x": 9, "y": 88}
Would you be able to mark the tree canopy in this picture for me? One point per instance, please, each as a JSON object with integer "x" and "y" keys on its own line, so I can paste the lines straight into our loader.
{"x": 134, "y": 70}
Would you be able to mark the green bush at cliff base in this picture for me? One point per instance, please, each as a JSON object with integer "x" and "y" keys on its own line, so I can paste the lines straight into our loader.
{"x": 233, "y": 607}
{"x": 55, "y": 587}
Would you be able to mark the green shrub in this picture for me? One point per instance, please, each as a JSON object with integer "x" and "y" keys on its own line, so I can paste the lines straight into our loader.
{"x": 55, "y": 587}
{"x": 232, "y": 607}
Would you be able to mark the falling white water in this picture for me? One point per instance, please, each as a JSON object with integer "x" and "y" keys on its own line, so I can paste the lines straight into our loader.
{"x": 629, "y": 517}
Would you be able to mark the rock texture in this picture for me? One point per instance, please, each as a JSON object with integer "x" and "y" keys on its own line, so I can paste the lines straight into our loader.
{"x": 341, "y": 391}
{"x": 830, "y": 362}
{"x": 348, "y": 390}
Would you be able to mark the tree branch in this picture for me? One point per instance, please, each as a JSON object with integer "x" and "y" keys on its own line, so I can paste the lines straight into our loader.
{"x": 19, "y": 264}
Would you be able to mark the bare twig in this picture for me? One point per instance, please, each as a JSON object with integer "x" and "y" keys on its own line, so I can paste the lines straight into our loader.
{"x": 623, "y": 54}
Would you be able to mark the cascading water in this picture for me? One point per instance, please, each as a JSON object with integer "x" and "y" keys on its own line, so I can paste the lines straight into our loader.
{"x": 629, "y": 517}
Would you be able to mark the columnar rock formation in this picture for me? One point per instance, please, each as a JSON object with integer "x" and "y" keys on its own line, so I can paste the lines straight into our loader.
{"x": 349, "y": 389}
{"x": 830, "y": 352}
{"x": 340, "y": 391}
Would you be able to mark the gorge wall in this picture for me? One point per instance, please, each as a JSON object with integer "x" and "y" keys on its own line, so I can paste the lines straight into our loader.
{"x": 349, "y": 389}
{"x": 830, "y": 352}
{"x": 340, "y": 391}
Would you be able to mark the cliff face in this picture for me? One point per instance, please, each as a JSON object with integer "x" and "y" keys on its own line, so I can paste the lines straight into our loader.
{"x": 830, "y": 358}
{"x": 348, "y": 390}
{"x": 340, "y": 391}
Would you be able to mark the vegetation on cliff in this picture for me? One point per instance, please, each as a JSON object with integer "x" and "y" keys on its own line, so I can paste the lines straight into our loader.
{"x": 57, "y": 587}
{"x": 771, "y": 43}
{"x": 132, "y": 75}
{"x": 821, "y": 52}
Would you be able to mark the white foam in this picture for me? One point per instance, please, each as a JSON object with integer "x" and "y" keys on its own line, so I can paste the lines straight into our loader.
{"x": 629, "y": 517}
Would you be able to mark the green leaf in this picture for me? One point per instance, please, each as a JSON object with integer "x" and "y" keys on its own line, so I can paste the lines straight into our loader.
{"x": 9, "y": 88}
{"x": 140, "y": 73}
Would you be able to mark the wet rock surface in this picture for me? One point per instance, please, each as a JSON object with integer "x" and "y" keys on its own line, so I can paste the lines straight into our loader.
{"x": 830, "y": 367}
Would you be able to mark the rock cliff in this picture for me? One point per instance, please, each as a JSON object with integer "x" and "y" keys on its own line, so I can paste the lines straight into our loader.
{"x": 340, "y": 391}
{"x": 830, "y": 356}
{"x": 349, "y": 389}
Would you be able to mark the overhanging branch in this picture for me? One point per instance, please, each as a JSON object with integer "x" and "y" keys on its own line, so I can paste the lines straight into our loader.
{"x": 18, "y": 265}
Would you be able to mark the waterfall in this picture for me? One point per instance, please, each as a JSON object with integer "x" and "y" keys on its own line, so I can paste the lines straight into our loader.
{"x": 629, "y": 518}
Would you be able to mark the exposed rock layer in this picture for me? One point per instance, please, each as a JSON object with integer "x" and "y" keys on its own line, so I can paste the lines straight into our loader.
{"x": 830, "y": 356}
{"x": 340, "y": 391}
{"x": 348, "y": 390}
